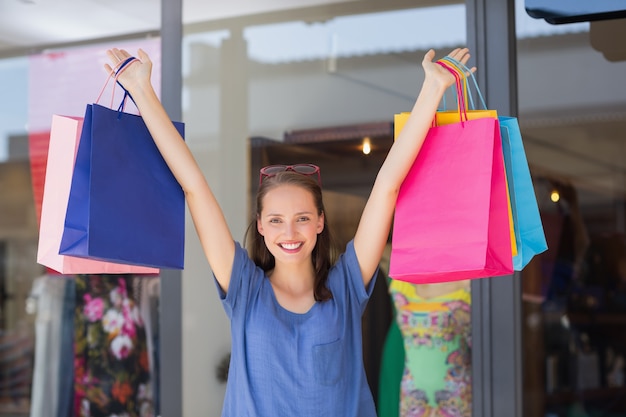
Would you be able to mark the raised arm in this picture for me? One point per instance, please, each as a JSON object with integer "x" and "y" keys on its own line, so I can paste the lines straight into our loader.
{"x": 373, "y": 230}
{"x": 215, "y": 237}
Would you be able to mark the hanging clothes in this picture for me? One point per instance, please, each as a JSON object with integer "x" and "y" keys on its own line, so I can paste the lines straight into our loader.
{"x": 66, "y": 355}
{"x": 436, "y": 334}
{"x": 47, "y": 301}
{"x": 149, "y": 297}
{"x": 391, "y": 370}
{"x": 112, "y": 367}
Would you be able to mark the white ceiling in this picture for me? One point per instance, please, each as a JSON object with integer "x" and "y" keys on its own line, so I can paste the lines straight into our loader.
{"x": 28, "y": 24}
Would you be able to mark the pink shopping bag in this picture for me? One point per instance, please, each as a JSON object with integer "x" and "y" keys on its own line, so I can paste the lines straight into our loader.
{"x": 64, "y": 138}
{"x": 452, "y": 220}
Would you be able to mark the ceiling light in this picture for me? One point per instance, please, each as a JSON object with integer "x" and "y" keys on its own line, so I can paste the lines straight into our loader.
{"x": 555, "y": 196}
{"x": 367, "y": 147}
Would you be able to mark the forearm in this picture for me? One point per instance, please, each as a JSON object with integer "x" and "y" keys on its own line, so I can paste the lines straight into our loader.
{"x": 373, "y": 231}
{"x": 206, "y": 213}
{"x": 410, "y": 140}
{"x": 213, "y": 231}
{"x": 170, "y": 143}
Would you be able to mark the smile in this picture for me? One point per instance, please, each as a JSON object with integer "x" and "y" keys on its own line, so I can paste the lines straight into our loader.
{"x": 290, "y": 246}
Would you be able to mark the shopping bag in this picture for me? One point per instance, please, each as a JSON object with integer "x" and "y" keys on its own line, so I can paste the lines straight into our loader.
{"x": 530, "y": 235}
{"x": 529, "y": 231}
{"x": 451, "y": 219}
{"x": 63, "y": 142}
{"x": 448, "y": 117}
{"x": 38, "y": 143}
{"x": 463, "y": 97}
{"x": 125, "y": 204}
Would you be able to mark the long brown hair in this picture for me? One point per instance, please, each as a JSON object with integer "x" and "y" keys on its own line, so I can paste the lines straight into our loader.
{"x": 324, "y": 253}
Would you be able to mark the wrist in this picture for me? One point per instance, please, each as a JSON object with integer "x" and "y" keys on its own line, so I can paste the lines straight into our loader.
{"x": 433, "y": 87}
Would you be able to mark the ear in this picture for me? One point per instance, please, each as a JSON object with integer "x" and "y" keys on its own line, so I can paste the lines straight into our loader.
{"x": 259, "y": 225}
{"x": 320, "y": 223}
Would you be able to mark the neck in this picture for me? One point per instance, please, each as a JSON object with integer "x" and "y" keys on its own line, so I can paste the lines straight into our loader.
{"x": 293, "y": 278}
{"x": 293, "y": 288}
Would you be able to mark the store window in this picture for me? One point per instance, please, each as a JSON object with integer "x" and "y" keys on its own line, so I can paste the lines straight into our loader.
{"x": 572, "y": 111}
{"x": 18, "y": 244}
{"x": 69, "y": 344}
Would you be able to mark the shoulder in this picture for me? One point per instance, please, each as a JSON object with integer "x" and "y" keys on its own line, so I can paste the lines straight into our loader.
{"x": 347, "y": 263}
{"x": 345, "y": 279}
{"x": 246, "y": 276}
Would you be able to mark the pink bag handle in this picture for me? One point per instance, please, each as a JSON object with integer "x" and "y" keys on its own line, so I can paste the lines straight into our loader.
{"x": 119, "y": 68}
{"x": 462, "y": 102}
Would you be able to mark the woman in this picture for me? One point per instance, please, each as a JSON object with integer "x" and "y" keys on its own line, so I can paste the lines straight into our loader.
{"x": 295, "y": 316}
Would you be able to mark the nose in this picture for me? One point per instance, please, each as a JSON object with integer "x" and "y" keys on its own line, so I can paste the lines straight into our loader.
{"x": 290, "y": 229}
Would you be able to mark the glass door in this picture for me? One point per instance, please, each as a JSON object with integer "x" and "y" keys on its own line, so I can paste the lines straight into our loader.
{"x": 572, "y": 111}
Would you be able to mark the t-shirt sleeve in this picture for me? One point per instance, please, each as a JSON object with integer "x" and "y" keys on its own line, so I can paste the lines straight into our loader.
{"x": 244, "y": 281}
{"x": 353, "y": 280}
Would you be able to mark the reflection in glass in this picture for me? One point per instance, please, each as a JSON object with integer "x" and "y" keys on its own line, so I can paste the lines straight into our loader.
{"x": 573, "y": 122}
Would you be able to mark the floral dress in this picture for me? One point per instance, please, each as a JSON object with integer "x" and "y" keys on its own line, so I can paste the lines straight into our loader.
{"x": 436, "y": 334}
{"x": 111, "y": 376}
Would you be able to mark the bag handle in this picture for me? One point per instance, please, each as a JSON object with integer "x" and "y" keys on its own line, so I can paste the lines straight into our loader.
{"x": 465, "y": 85}
{"x": 465, "y": 90}
{"x": 463, "y": 69}
{"x": 459, "y": 91}
{"x": 116, "y": 72}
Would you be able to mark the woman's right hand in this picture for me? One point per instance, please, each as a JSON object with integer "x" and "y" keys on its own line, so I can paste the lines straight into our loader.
{"x": 135, "y": 75}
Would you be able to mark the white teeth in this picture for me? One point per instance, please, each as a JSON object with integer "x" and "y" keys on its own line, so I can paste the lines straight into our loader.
{"x": 290, "y": 246}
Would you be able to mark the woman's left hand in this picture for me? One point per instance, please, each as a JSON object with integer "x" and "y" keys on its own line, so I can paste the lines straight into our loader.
{"x": 440, "y": 74}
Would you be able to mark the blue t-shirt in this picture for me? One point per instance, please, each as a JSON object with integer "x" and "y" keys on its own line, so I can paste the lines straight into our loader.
{"x": 290, "y": 364}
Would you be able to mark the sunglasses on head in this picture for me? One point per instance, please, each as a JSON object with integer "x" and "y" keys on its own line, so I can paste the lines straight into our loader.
{"x": 304, "y": 169}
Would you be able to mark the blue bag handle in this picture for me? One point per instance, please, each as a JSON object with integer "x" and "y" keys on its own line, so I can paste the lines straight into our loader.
{"x": 126, "y": 93}
{"x": 118, "y": 71}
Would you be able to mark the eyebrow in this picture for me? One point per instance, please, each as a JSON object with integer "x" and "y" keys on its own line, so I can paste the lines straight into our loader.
{"x": 300, "y": 213}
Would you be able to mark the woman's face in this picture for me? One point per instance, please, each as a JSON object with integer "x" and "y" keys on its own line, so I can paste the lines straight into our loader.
{"x": 289, "y": 223}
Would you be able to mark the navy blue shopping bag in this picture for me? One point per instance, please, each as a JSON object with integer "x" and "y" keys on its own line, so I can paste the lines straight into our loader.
{"x": 125, "y": 204}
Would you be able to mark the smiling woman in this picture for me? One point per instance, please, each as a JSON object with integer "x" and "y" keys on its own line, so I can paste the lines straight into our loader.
{"x": 290, "y": 227}
{"x": 295, "y": 314}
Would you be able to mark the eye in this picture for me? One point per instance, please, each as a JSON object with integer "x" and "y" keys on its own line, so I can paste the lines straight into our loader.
{"x": 303, "y": 219}
{"x": 275, "y": 220}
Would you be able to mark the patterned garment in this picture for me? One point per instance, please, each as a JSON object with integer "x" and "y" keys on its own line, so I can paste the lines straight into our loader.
{"x": 436, "y": 333}
{"x": 112, "y": 373}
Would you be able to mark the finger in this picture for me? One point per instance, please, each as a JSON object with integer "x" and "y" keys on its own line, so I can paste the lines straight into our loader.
{"x": 143, "y": 56}
{"x": 116, "y": 53}
{"x": 114, "y": 57}
{"x": 428, "y": 57}
{"x": 463, "y": 56}
{"x": 470, "y": 72}
{"x": 111, "y": 56}
{"x": 456, "y": 52}
{"x": 117, "y": 56}
{"x": 124, "y": 54}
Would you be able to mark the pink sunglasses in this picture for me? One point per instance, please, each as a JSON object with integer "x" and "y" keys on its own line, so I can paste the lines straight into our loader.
{"x": 304, "y": 169}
